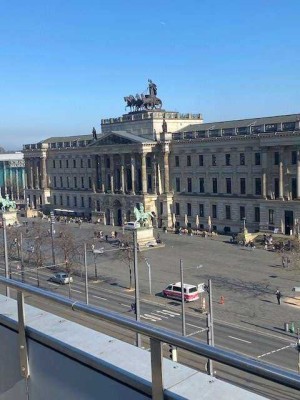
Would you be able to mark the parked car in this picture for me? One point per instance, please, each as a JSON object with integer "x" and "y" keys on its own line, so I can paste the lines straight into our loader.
{"x": 61, "y": 277}
{"x": 132, "y": 225}
{"x": 173, "y": 291}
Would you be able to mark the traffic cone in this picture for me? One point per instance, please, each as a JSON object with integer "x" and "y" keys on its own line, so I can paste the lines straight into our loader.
{"x": 222, "y": 300}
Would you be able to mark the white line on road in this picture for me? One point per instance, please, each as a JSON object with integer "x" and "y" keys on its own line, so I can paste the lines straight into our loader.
{"x": 78, "y": 291}
{"x": 151, "y": 316}
{"x": 53, "y": 284}
{"x": 195, "y": 326}
{"x": 241, "y": 340}
{"x": 98, "y": 297}
{"x": 151, "y": 319}
{"x": 274, "y": 351}
{"x": 159, "y": 316}
{"x": 125, "y": 305}
{"x": 171, "y": 312}
{"x": 31, "y": 277}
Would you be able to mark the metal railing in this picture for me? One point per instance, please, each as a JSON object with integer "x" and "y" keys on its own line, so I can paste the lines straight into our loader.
{"x": 157, "y": 336}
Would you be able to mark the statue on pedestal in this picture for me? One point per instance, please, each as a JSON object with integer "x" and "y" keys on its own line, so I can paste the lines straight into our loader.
{"x": 143, "y": 217}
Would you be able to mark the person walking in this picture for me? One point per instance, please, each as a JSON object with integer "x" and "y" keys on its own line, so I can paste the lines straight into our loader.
{"x": 278, "y": 295}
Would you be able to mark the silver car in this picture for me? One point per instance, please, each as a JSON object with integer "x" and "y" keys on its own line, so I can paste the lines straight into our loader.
{"x": 62, "y": 278}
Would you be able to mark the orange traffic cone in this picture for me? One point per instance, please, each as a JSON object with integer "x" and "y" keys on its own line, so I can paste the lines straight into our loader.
{"x": 222, "y": 300}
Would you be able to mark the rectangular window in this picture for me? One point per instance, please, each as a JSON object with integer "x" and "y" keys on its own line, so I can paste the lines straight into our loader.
{"x": 189, "y": 209}
{"x": 201, "y": 210}
{"x": 227, "y": 159}
{"x": 75, "y": 201}
{"x": 228, "y": 185}
{"x": 243, "y": 186}
{"x": 242, "y": 213}
{"x": 54, "y": 199}
{"x": 177, "y": 164}
{"x": 68, "y": 201}
{"x": 74, "y": 163}
{"x": 215, "y": 185}
{"x": 61, "y": 181}
{"x": 68, "y": 182}
{"x": 188, "y": 161}
{"x": 177, "y": 209}
{"x": 54, "y": 181}
{"x": 75, "y": 182}
{"x": 148, "y": 162}
{"x": 60, "y": 164}
{"x": 271, "y": 217}
{"x": 201, "y": 185}
{"x": 276, "y": 158}
{"x": 214, "y": 211}
{"x": 81, "y": 163}
{"x": 61, "y": 200}
{"x": 89, "y": 163}
{"x": 256, "y": 214}
{"x": 82, "y": 201}
{"x": 82, "y": 182}
{"x": 90, "y": 202}
{"x": 257, "y": 158}
{"x": 189, "y": 185}
{"x": 161, "y": 208}
{"x": 242, "y": 158}
{"x": 213, "y": 160}
{"x": 177, "y": 183}
{"x": 258, "y": 186}
{"x": 90, "y": 182}
{"x": 149, "y": 181}
{"x": 276, "y": 188}
{"x": 227, "y": 212}
{"x": 67, "y": 163}
{"x": 294, "y": 157}
{"x": 53, "y": 163}
{"x": 201, "y": 160}
{"x": 107, "y": 162}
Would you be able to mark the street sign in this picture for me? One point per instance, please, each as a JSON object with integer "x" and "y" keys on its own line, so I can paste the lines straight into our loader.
{"x": 201, "y": 287}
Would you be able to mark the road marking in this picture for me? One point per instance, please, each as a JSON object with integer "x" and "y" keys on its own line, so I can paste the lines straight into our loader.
{"x": 98, "y": 297}
{"x": 78, "y": 291}
{"x": 31, "y": 277}
{"x": 241, "y": 340}
{"x": 195, "y": 326}
{"x": 151, "y": 316}
{"x": 274, "y": 351}
{"x": 151, "y": 319}
{"x": 171, "y": 312}
{"x": 159, "y": 316}
{"x": 125, "y": 305}
{"x": 164, "y": 313}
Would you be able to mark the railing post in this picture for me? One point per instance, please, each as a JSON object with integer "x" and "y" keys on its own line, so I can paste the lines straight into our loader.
{"x": 156, "y": 368}
{"x": 22, "y": 336}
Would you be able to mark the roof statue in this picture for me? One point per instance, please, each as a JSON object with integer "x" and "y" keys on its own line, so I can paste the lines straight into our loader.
{"x": 6, "y": 204}
{"x": 164, "y": 126}
{"x": 143, "y": 217}
{"x": 94, "y": 132}
{"x": 144, "y": 101}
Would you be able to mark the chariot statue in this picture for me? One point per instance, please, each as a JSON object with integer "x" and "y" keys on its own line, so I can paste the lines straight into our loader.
{"x": 143, "y": 217}
{"x": 144, "y": 101}
{"x": 6, "y": 204}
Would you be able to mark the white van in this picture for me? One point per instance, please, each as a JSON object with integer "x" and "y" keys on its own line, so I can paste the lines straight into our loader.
{"x": 173, "y": 291}
{"x": 132, "y": 225}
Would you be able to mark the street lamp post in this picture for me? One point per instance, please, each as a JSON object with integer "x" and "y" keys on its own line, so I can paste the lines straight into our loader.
{"x": 182, "y": 300}
{"x": 136, "y": 281}
{"x": 149, "y": 274}
{"x": 52, "y": 218}
{"x": 86, "y": 276}
{"x": 210, "y": 327}
{"x": 5, "y": 254}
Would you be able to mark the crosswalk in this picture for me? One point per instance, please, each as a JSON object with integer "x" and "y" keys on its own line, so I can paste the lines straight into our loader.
{"x": 159, "y": 315}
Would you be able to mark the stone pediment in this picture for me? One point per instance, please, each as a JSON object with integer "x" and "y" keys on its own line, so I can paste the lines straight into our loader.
{"x": 113, "y": 138}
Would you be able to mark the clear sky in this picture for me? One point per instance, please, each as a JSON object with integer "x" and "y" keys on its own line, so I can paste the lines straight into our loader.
{"x": 66, "y": 64}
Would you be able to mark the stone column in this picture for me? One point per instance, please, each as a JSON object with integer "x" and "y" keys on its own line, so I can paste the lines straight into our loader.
{"x": 264, "y": 172}
{"x": 103, "y": 174}
{"x": 166, "y": 173}
{"x": 43, "y": 173}
{"x": 94, "y": 173}
{"x": 154, "y": 174}
{"x": 24, "y": 184}
{"x": 281, "y": 175}
{"x": 37, "y": 174}
{"x": 4, "y": 177}
{"x": 144, "y": 174}
{"x": 11, "y": 183}
{"x": 31, "y": 173}
{"x": 298, "y": 174}
{"x": 133, "y": 174}
{"x": 123, "y": 173}
{"x": 112, "y": 174}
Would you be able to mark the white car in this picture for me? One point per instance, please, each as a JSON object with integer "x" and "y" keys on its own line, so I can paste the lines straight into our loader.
{"x": 62, "y": 278}
{"x": 132, "y": 225}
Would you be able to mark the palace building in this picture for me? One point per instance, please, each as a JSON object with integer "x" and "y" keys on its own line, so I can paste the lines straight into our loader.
{"x": 12, "y": 176}
{"x": 186, "y": 172}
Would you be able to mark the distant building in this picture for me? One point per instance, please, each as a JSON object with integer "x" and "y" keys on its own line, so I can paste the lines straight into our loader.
{"x": 12, "y": 176}
{"x": 188, "y": 173}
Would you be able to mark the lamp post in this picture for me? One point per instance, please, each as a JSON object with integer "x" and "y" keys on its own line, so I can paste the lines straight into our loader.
{"x": 136, "y": 282}
{"x": 86, "y": 276}
{"x": 5, "y": 254}
{"x": 52, "y": 222}
{"x": 149, "y": 274}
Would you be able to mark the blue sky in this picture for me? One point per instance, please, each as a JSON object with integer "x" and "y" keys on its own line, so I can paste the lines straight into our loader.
{"x": 65, "y": 65}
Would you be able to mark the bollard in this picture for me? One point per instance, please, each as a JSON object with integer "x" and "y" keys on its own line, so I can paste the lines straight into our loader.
{"x": 286, "y": 326}
{"x": 292, "y": 328}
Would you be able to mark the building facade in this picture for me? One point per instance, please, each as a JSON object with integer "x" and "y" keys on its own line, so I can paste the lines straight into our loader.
{"x": 12, "y": 176}
{"x": 188, "y": 173}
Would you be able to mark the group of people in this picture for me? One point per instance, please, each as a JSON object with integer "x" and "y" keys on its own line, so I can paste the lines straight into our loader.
{"x": 268, "y": 241}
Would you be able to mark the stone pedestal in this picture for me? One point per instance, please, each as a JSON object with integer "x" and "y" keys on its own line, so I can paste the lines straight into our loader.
{"x": 144, "y": 235}
{"x": 9, "y": 216}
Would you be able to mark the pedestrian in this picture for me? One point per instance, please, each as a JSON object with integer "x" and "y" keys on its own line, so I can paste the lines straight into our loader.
{"x": 133, "y": 307}
{"x": 106, "y": 238}
{"x": 278, "y": 295}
